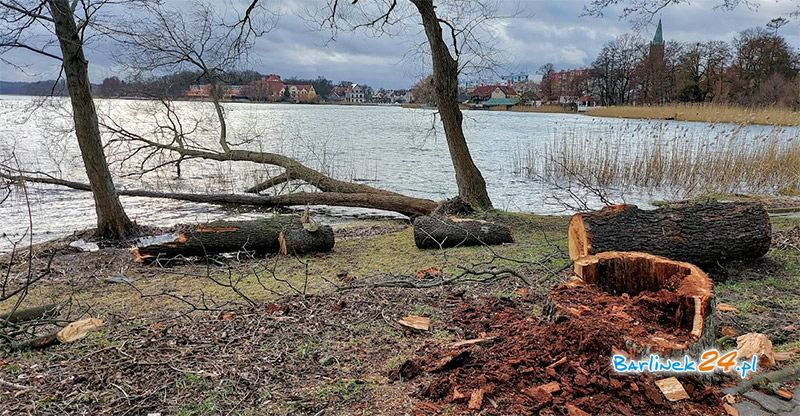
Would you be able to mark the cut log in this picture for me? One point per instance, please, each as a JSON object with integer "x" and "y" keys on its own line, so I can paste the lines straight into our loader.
{"x": 29, "y": 314}
{"x": 700, "y": 233}
{"x": 70, "y": 333}
{"x": 676, "y": 297}
{"x": 280, "y": 234}
{"x": 442, "y": 232}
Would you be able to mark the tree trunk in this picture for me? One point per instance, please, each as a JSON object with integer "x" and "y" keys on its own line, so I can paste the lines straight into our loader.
{"x": 442, "y": 232}
{"x": 402, "y": 204}
{"x": 698, "y": 233}
{"x": 677, "y": 299}
{"x": 282, "y": 234}
{"x": 471, "y": 185}
{"x": 112, "y": 221}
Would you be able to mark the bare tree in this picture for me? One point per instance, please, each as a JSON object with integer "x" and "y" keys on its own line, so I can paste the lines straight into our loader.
{"x": 642, "y": 12}
{"x": 59, "y": 17}
{"x": 453, "y": 30}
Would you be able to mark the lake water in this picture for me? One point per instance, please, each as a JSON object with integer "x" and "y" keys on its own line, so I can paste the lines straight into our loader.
{"x": 399, "y": 149}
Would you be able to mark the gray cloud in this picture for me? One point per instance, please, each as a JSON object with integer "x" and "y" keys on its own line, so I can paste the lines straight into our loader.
{"x": 540, "y": 31}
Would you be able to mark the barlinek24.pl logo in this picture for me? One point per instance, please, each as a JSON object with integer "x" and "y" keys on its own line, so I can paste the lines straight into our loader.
{"x": 710, "y": 361}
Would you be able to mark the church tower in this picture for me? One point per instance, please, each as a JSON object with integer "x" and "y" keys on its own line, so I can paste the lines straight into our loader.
{"x": 653, "y": 75}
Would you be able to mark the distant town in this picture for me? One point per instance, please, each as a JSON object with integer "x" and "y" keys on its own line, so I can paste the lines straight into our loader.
{"x": 756, "y": 68}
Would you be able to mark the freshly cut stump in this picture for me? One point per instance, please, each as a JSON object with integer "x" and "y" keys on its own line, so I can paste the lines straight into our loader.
{"x": 438, "y": 231}
{"x": 280, "y": 234}
{"x": 698, "y": 233}
{"x": 665, "y": 306}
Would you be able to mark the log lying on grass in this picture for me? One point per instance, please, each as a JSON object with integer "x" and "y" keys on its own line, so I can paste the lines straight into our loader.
{"x": 699, "y": 233}
{"x": 669, "y": 305}
{"x": 280, "y": 234}
{"x": 70, "y": 333}
{"x": 440, "y": 231}
{"x": 29, "y": 314}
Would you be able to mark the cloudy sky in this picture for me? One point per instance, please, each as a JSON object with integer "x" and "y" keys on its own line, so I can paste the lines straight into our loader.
{"x": 535, "y": 32}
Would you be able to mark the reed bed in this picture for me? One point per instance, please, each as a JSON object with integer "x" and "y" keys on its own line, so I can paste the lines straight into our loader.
{"x": 705, "y": 112}
{"x": 727, "y": 163}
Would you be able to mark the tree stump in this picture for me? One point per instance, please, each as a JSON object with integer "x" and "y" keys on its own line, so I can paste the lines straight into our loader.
{"x": 280, "y": 234}
{"x": 668, "y": 305}
{"x": 699, "y": 233}
{"x": 438, "y": 231}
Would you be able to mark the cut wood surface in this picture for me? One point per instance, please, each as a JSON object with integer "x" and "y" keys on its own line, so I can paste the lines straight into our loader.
{"x": 443, "y": 232}
{"x": 755, "y": 344}
{"x": 699, "y": 233}
{"x": 74, "y": 331}
{"x": 284, "y": 234}
{"x": 672, "y": 388}
{"x": 682, "y": 291}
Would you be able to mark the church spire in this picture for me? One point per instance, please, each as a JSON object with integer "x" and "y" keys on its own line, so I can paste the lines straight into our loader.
{"x": 658, "y": 39}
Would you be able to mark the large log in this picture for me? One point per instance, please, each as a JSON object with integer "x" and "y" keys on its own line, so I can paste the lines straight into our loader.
{"x": 279, "y": 234}
{"x": 699, "y": 233}
{"x": 676, "y": 297}
{"x": 441, "y": 232}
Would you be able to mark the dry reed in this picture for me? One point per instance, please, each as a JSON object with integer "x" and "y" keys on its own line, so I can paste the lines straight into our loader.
{"x": 728, "y": 163}
{"x": 705, "y": 112}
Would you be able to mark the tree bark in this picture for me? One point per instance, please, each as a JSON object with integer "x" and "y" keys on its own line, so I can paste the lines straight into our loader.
{"x": 442, "y": 232}
{"x": 471, "y": 185}
{"x": 29, "y": 314}
{"x": 699, "y": 233}
{"x": 112, "y": 221}
{"x": 281, "y": 234}
{"x": 405, "y": 205}
{"x": 682, "y": 291}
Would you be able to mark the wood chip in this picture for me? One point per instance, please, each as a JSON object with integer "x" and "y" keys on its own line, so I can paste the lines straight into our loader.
{"x": 551, "y": 387}
{"x": 429, "y": 273}
{"x": 730, "y": 409}
{"x": 724, "y": 307}
{"x": 729, "y": 398}
{"x": 417, "y": 322}
{"x": 470, "y": 342}
{"x": 475, "y": 399}
{"x": 523, "y": 291}
{"x": 457, "y": 395}
{"x": 562, "y": 360}
{"x": 573, "y": 410}
{"x": 784, "y": 394}
{"x": 784, "y": 356}
{"x": 78, "y": 329}
{"x": 672, "y": 389}
{"x": 755, "y": 344}
{"x": 728, "y": 331}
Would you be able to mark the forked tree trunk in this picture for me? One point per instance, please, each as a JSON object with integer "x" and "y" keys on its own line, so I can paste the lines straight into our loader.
{"x": 699, "y": 233}
{"x": 112, "y": 221}
{"x": 471, "y": 185}
{"x": 682, "y": 291}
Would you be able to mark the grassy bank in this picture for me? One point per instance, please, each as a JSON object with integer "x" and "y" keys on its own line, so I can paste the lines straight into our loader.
{"x": 709, "y": 113}
{"x": 331, "y": 352}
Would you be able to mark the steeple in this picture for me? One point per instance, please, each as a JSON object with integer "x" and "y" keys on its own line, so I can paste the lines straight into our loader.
{"x": 658, "y": 39}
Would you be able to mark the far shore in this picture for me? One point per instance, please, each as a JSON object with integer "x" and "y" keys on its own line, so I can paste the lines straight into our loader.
{"x": 708, "y": 113}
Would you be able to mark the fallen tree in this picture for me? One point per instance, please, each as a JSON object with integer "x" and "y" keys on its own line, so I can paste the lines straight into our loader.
{"x": 698, "y": 233}
{"x": 440, "y": 231}
{"x": 388, "y": 201}
{"x": 279, "y": 234}
{"x": 669, "y": 303}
